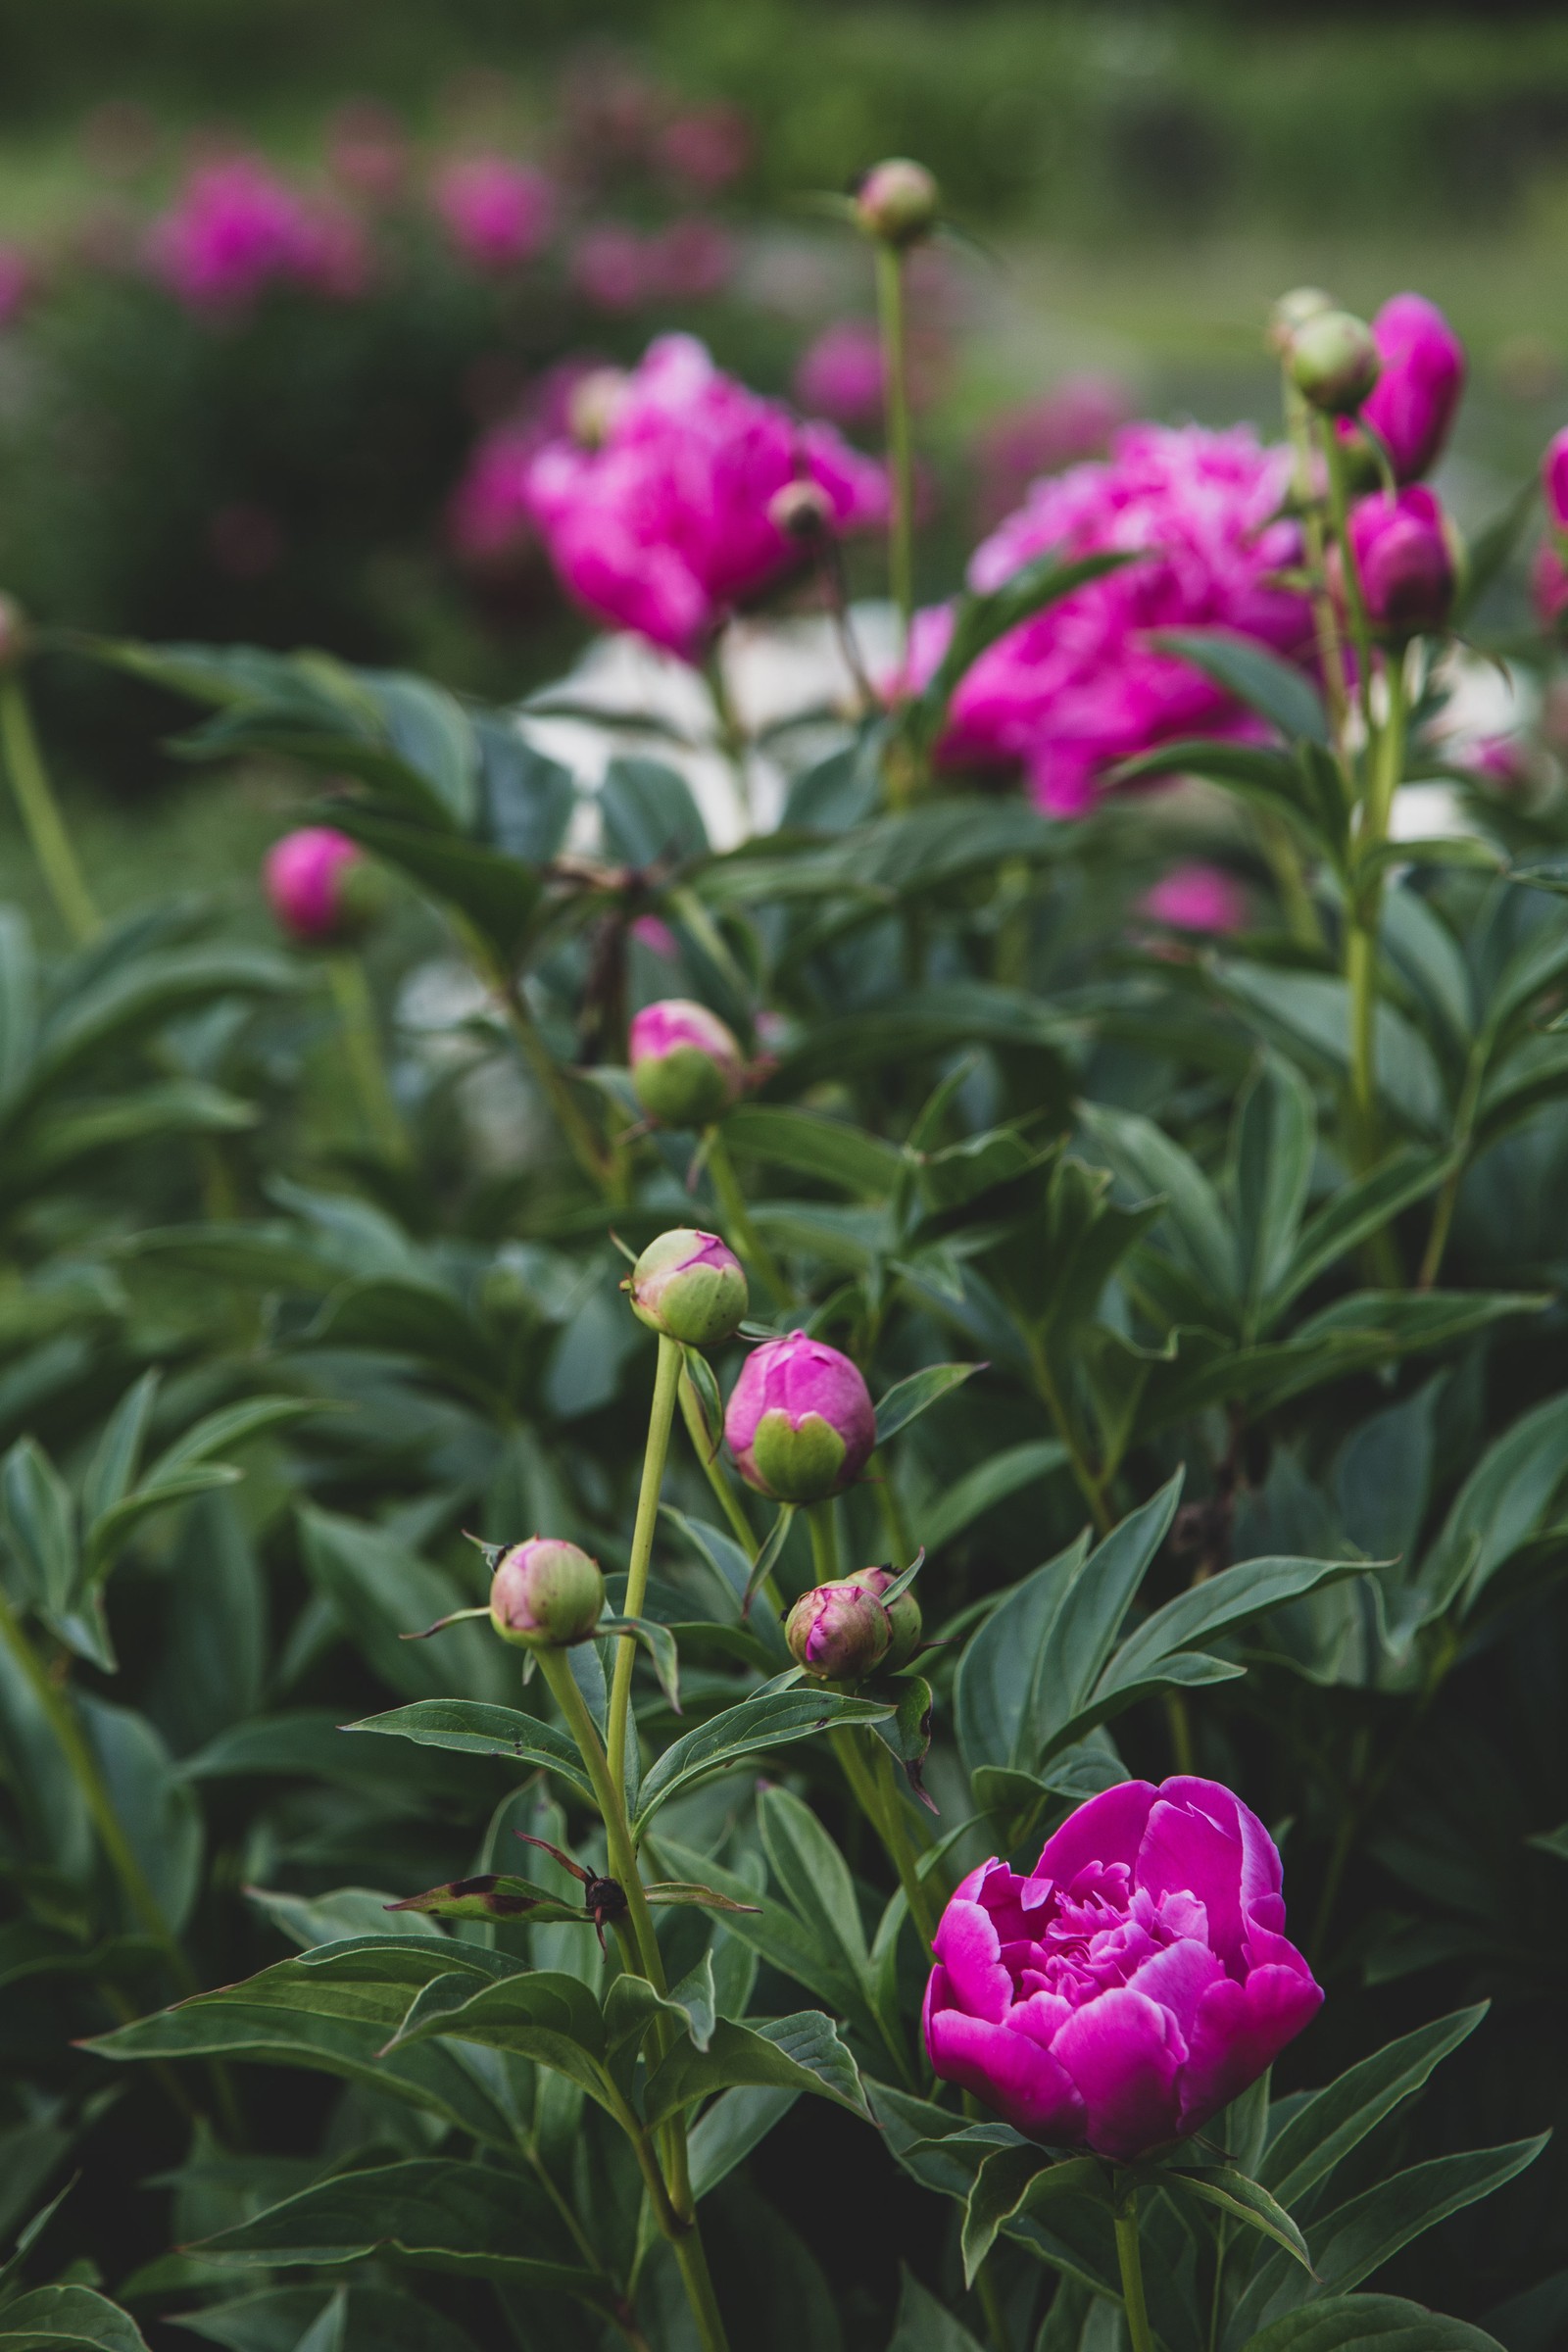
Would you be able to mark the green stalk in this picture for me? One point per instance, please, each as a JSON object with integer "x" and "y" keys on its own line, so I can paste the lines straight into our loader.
{"x": 1362, "y": 939}
{"x": 1140, "y": 2335}
{"x": 749, "y": 1243}
{"x": 1299, "y": 418}
{"x": 666, "y": 1382}
{"x": 361, "y": 1044}
{"x": 823, "y": 1527}
{"x": 1089, "y": 1486}
{"x": 599, "y": 1164}
{"x": 1356, "y": 601}
{"x": 40, "y": 811}
{"x": 900, "y": 438}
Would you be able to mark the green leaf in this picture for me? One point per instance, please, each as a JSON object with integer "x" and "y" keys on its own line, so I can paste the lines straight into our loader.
{"x": 926, "y": 2325}
{"x": 1369, "y": 2324}
{"x": 795, "y": 2053}
{"x": 1090, "y": 1618}
{"x": 991, "y": 1482}
{"x": 1244, "y": 2200}
{"x": 473, "y": 1728}
{"x": 997, "y": 1672}
{"x": 1217, "y": 1606}
{"x": 1018, "y": 2180}
{"x": 1308, "y": 1015}
{"x": 68, "y": 2316}
{"x": 769, "y": 1718}
{"x": 761, "y": 1568}
{"x": 1194, "y": 1225}
{"x": 907, "y": 1398}
{"x": 648, "y": 815}
{"x": 41, "y": 1520}
{"x": 118, "y": 1451}
{"x": 436, "y": 2212}
{"x": 815, "y": 1880}
{"x": 725, "y": 2133}
{"x": 1326, "y": 2127}
{"x": 1351, "y": 1215}
{"x": 814, "y": 1145}
{"x": 381, "y": 1592}
{"x": 1280, "y": 693}
{"x": 1500, "y": 1506}
{"x": 544, "y": 2015}
{"x": 376, "y": 2319}
{"x": 1276, "y": 1138}
{"x": 108, "y": 1535}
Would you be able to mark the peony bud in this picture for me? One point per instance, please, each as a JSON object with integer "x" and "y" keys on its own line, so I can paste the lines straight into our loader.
{"x": 1420, "y": 378}
{"x": 1292, "y": 312}
{"x": 546, "y": 1595}
{"x": 896, "y": 202}
{"x": 839, "y": 1632}
{"x": 799, "y": 1423}
{"x": 15, "y": 633}
{"x": 686, "y": 1064}
{"x": 800, "y": 510}
{"x": 1333, "y": 360}
{"x": 690, "y": 1287}
{"x": 1555, "y": 478}
{"x": 306, "y": 877}
{"x": 904, "y": 1614}
{"x": 1548, "y": 587}
{"x": 592, "y": 405}
{"x": 1408, "y": 556}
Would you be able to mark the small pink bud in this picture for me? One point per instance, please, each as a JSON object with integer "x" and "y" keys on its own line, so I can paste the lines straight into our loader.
{"x": 689, "y": 1286}
{"x": 497, "y": 213}
{"x": 686, "y": 1066}
{"x": 305, "y": 875}
{"x": 1197, "y": 897}
{"x": 799, "y": 1422}
{"x": 903, "y": 1615}
{"x": 1555, "y": 478}
{"x": 839, "y": 1632}
{"x": 1408, "y": 556}
{"x": 546, "y": 1595}
{"x": 896, "y": 202}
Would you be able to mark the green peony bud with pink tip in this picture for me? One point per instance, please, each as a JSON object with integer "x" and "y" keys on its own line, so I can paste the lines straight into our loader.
{"x": 839, "y": 1630}
{"x": 896, "y": 202}
{"x": 687, "y": 1286}
{"x": 799, "y": 1422}
{"x": 903, "y": 1615}
{"x": 686, "y": 1064}
{"x": 546, "y": 1595}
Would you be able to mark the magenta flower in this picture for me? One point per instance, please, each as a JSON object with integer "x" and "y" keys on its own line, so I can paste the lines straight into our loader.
{"x": 1080, "y": 687}
{"x": 841, "y": 373}
{"x": 1555, "y": 478}
{"x": 707, "y": 148}
{"x": 1549, "y": 585}
{"x": 488, "y": 517}
{"x": 1403, "y": 546}
{"x": 1411, "y": 406}
{"x": 839, "y": 1630}
{"x": 233, "y": 230}
{"x": 1133, "y": 1984}
{"x": 686, "y": 1064}
{"x": 800, "y": 1421}
{"x": 498, "y": 214}
{"x": 1074, "y": 420}
{"x": 303, "y": 876}
{"x": 692, "y": 259}
{"x": 1197, "y": 897}
{"x": 665, "y": 526}
{"x": 614, "y": 268}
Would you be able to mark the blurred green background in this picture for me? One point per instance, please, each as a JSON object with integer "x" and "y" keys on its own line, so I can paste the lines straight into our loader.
{"x": 1132, "y": 186}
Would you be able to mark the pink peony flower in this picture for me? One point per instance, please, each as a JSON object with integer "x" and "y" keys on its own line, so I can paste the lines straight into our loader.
{"x": 1197, "y": 897}
{"x": 839, "y": 1632}
{"x": 487, "y": 515}
{"x": 16, "y": 282}
{"x": 800, "y": 1421}
{"x": 1074, "y": 420}
{"x": 665, "y": 526}
{"x": 303, "y": 876}
{"x": 707, "y": 148}
{"x": 1404, "y": 555}
{"x": 692, "y": 259}
{"x": 1411, "y": 406}
{"x": 235, "y": 229}
{"x": 612, "y": 268}
{"x": 1133, "y": 1984}
{"x": 1555, "y": 478}
{"x": 1549, "y": 585}
{"x": 498, "y": 214}
{"x": 841, "y": 373}
{"x": 1078, "y": 688}
{"x": 367, "y": 150}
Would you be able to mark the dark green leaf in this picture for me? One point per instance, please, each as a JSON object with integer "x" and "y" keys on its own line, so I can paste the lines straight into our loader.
{"x": 795, "y": 2053}
{"x": 1281, "y": 694}
{"x": 1018, "y": 2180}
{"x": 907, "y": 1398}
{"x": 473, "y": 1728}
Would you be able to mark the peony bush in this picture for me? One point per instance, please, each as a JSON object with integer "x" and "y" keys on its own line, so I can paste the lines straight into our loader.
{"x": 967, "y": 1752}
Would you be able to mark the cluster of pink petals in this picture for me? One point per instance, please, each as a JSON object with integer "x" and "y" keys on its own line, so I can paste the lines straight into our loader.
{"x": 1195, "y": 897}
{"x": 1082, "y": 685}
{"x": 1133, "y": 1984}
{"x": 840, "y": 373}
{"x": 236, "y": 228}
{"x": 616, "y": 268}
{"x": 1074, "y": 420}
{"x": 1412, "y": 404}
{"x": 498, "y": 214}
{"x": 664, "y": 527}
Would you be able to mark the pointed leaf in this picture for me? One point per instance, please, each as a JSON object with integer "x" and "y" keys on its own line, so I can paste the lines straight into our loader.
{"x": 802, "y": 2052}
{"x": 907, "y": 1398}
{"x": 1018, "y": 2180}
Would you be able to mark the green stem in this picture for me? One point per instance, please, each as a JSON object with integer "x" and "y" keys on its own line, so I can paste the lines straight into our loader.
{"x": 823, "y": 1528}
{"x": 40, "y": 811}
{"x": 1331, "y": 653}
{"x": 731, "y": 734}
{"x": 749, "y": 1243}
{"x": 1140, "y": 2336}
{"x": 597, "y": 1163}
{"x": 1285, "y": 864}
{"x": 985, "y": 2286}
{"x": 901, "y": 440}
{"x": 692, "y": 2256}
{"x": 1361, "y": 941}
{"x": 351, "y": 999}
{"x": 924, "y": 1899}
{"x": 666, "y": 1382}
{"x": 1089, "y": 1484}
{"x": 1355, "y": 602}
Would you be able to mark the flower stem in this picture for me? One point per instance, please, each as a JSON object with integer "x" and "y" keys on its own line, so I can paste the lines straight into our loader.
{"x": 823, "y": 1528}
{"x": 597, "y": 1163}
{"x": 900, "y": 444}
{"x": 40, "y": 811}
{"x": 691, "y": 2256}
{"x": 666, "y": 1382}
{"x": 1140, "y": 2336}
{"x": 749, "y": 1243}
{"x": 351, "y": 999}
{"x": 1089, "y": 1486}
{"x": 1362, "y": 939}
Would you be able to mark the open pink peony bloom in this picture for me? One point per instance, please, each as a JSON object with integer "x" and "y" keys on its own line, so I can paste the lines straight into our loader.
{"x": 1555, "y": 478}
{"x": 1411, "y": 406}
{"x": 302, "y": 875}
{"x": 233, "y": 230}
{"x": 665, "y": 526}
{"x": 1133, "y": 1984}
{"x": 840, "y": 374}
{"x": 1080, "y": 687}
{"x": 1195, "y": 897}
{"x": 497, "y": 213}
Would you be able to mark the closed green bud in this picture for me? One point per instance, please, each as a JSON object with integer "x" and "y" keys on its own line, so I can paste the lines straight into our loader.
{"x": 1293, "y": 310}
{"x": 689, "y": 1286}
{"x": 839, "y": 1630}
{"x": 897, "y": 201}
{"x": 546, "y": 1595}
{"x": 1334, "y": 361}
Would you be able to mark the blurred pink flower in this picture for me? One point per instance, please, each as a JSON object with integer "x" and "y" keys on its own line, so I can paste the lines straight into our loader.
{"x": 16, "y": 282}
{"x": 840, "y": 374}
{"x": 302, "y": 877}
{"x": 333, "y": 256}
{"x": 498, "y": 214}
{"x": 1406, "y": 555}
{"x": 1197, "y": 897}
{"x": 1549, "y": 585}
{"x": 487, "y": 516}
{"x": 665, "y": 525}
{"x": 1411, "y": 406}
{"x": 611, "y": 267}
{"x": 1080, "y": 687}
{"x": 1555, "y": 478}
{"x": 367, "y": 150}
{"x": 234, "y": 228}
{"x": 692, "y": 259}
{"x": 707, "y": 148}
{"x": 1073, "y": 420}
{"x": 1501, "y": 760}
